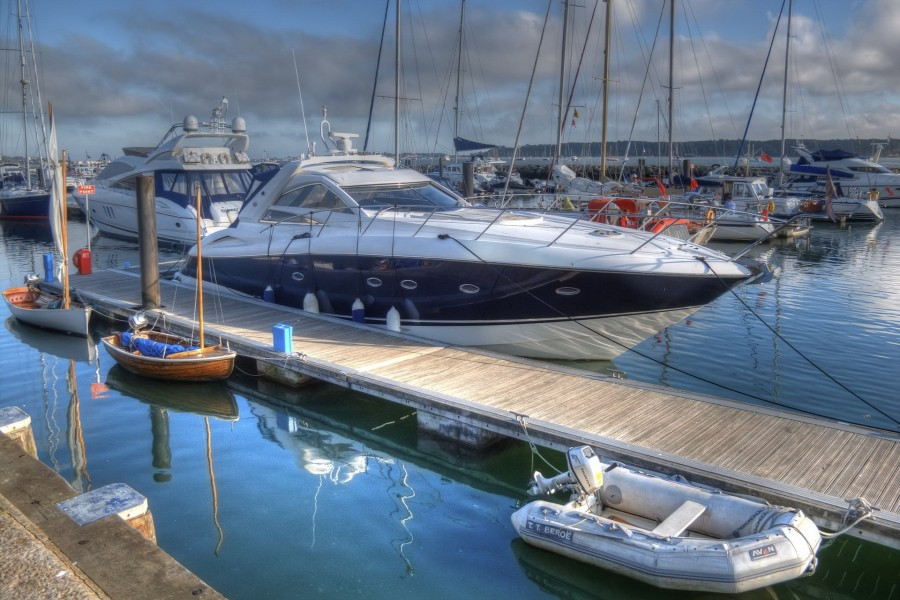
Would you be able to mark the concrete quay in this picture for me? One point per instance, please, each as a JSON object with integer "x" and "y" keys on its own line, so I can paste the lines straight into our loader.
{"x": 45, "y": 553}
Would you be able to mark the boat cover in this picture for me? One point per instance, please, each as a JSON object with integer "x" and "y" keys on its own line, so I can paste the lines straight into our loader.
{"x": 826, "y": 155}
{"x": 151, "y": 348}
{"x": 464, "y": 145}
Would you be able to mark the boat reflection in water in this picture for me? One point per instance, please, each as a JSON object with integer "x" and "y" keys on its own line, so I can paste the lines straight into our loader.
{"x": 209, "y": 399}
{"x": 69, "y": 347}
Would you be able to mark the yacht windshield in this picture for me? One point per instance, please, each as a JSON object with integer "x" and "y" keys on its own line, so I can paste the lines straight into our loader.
{"x": 416, "y": 194}
{"x": 178, "y": 186}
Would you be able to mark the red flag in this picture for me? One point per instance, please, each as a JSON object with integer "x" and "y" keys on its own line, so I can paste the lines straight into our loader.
{"x": 694, "y": 184}
{"x": 765, "y": 157}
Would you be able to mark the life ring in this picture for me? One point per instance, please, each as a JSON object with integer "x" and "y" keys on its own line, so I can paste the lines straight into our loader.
{"x": 710, "y": 215}
{"x": 206, "y": 158}
{"x": 224, "y": 158}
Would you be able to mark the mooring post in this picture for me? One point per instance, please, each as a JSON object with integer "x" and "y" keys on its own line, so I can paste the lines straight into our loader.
{"x": 148, "y": 244}
{"x": 468, "y": 179}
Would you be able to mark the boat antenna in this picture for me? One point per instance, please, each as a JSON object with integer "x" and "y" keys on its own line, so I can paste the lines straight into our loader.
{"x": 300, "y": 93}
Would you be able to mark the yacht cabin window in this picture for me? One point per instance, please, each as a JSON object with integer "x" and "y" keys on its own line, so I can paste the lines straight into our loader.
{"x": 421, "y": 195}
{"x": 312, "y": 203}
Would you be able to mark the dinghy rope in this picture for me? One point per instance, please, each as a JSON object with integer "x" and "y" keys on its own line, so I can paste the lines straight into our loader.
{"x": 858, "y": 509}
{"x": 523, "y": 421}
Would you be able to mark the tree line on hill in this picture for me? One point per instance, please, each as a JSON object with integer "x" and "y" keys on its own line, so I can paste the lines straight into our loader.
{"x": 721, "y": 147}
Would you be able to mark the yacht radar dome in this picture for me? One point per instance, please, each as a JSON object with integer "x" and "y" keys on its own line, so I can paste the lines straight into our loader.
{"x": 190, "y": 123}
{"x": 238, "y": 125}
{"x": 343, "y": 141}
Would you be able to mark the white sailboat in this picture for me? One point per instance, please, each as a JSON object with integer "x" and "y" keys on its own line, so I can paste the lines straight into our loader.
{"x": 29, "y": 303}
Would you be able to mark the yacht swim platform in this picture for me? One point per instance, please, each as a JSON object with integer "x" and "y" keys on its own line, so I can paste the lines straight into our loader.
{"x": 813, "y": 464}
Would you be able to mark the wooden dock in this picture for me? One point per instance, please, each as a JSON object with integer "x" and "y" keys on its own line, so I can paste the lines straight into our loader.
{"x": 814, "y": 464}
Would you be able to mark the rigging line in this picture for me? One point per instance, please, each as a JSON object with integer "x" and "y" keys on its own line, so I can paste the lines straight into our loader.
{"x": 807, "y": 359}
{"x": 646, "y": 77}
{"x": 424, "y": 32}
{"x": 647, "y": 356}
{"x": 587, "y": 36}
{"x": 375, "y": 82}
{"x": 700, "y": 79}
{"x": 834, "y": 73}
{"x": 712, "y": 67}
{"x": 758, "y": 87}
{"x": 537, "y": 55}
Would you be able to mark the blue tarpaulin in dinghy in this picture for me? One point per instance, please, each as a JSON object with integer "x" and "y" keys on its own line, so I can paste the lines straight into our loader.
{"x": 151, "y": 348}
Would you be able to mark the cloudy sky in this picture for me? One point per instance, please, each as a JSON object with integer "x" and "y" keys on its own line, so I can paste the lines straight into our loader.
{"x": 120, "y": 73}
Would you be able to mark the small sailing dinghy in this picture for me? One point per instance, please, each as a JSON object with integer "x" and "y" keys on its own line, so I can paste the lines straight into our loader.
{"x": 164, "y": 356}
{"x": 667, "y": 532}
{"x": 28, "y": 303}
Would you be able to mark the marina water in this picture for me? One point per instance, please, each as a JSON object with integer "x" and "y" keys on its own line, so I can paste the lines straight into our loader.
{"x": 267, "y": 492}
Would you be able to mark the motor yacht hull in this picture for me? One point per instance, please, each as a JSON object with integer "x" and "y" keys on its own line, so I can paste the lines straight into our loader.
{"x": 114, "y": 213}
{"x": 530, "y": 311}
{"x": 353, "y": 237}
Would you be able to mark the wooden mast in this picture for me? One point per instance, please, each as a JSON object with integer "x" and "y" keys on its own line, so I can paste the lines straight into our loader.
{"x": 199, "y": 265}
{"x": 64, "y": 233}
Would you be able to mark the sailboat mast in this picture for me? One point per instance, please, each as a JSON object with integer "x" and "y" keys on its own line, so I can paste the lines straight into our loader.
{"x": 562, "y": 80}
{"x": 787, "y": 62}
{"x": 199, "y": 266}
{"x": 605, "y": 86}
{"x": 462, "y": 13}
{"x": 61, "y": 205}
{"x": 671, "y": 83}
{"x": 397, "y": 91}
{"x": 24, "y": 83}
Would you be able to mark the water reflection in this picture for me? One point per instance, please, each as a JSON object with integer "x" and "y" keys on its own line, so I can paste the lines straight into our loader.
{"x": 207, "y": 399}
{"x": 69, "y": 347}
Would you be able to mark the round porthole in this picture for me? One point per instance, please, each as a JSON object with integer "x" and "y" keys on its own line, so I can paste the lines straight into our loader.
{"x": 568, "y": 291}
{"x": 468, "y": 288}
{"x": 297, "y": 276}
{"x": 373, "y": 281}
{"x": 408, "y": 284}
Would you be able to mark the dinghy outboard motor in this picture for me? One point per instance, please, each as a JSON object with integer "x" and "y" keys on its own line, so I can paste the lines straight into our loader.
{"x": 585, "y": 475}
{"x": 32, "y": 280}
{"x": 138, "y": 321}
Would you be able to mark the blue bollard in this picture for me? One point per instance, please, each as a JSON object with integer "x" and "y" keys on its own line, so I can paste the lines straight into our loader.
{"x": 283, "y": 338}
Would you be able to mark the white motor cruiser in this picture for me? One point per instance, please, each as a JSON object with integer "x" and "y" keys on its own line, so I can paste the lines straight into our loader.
{"x": 204, "y": 153}
{"x": 351, "y": 236}
{"x": 667, "y": 532}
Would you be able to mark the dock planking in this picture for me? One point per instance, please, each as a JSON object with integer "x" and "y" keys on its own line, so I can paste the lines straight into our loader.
{"x": 789, "y": 459}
